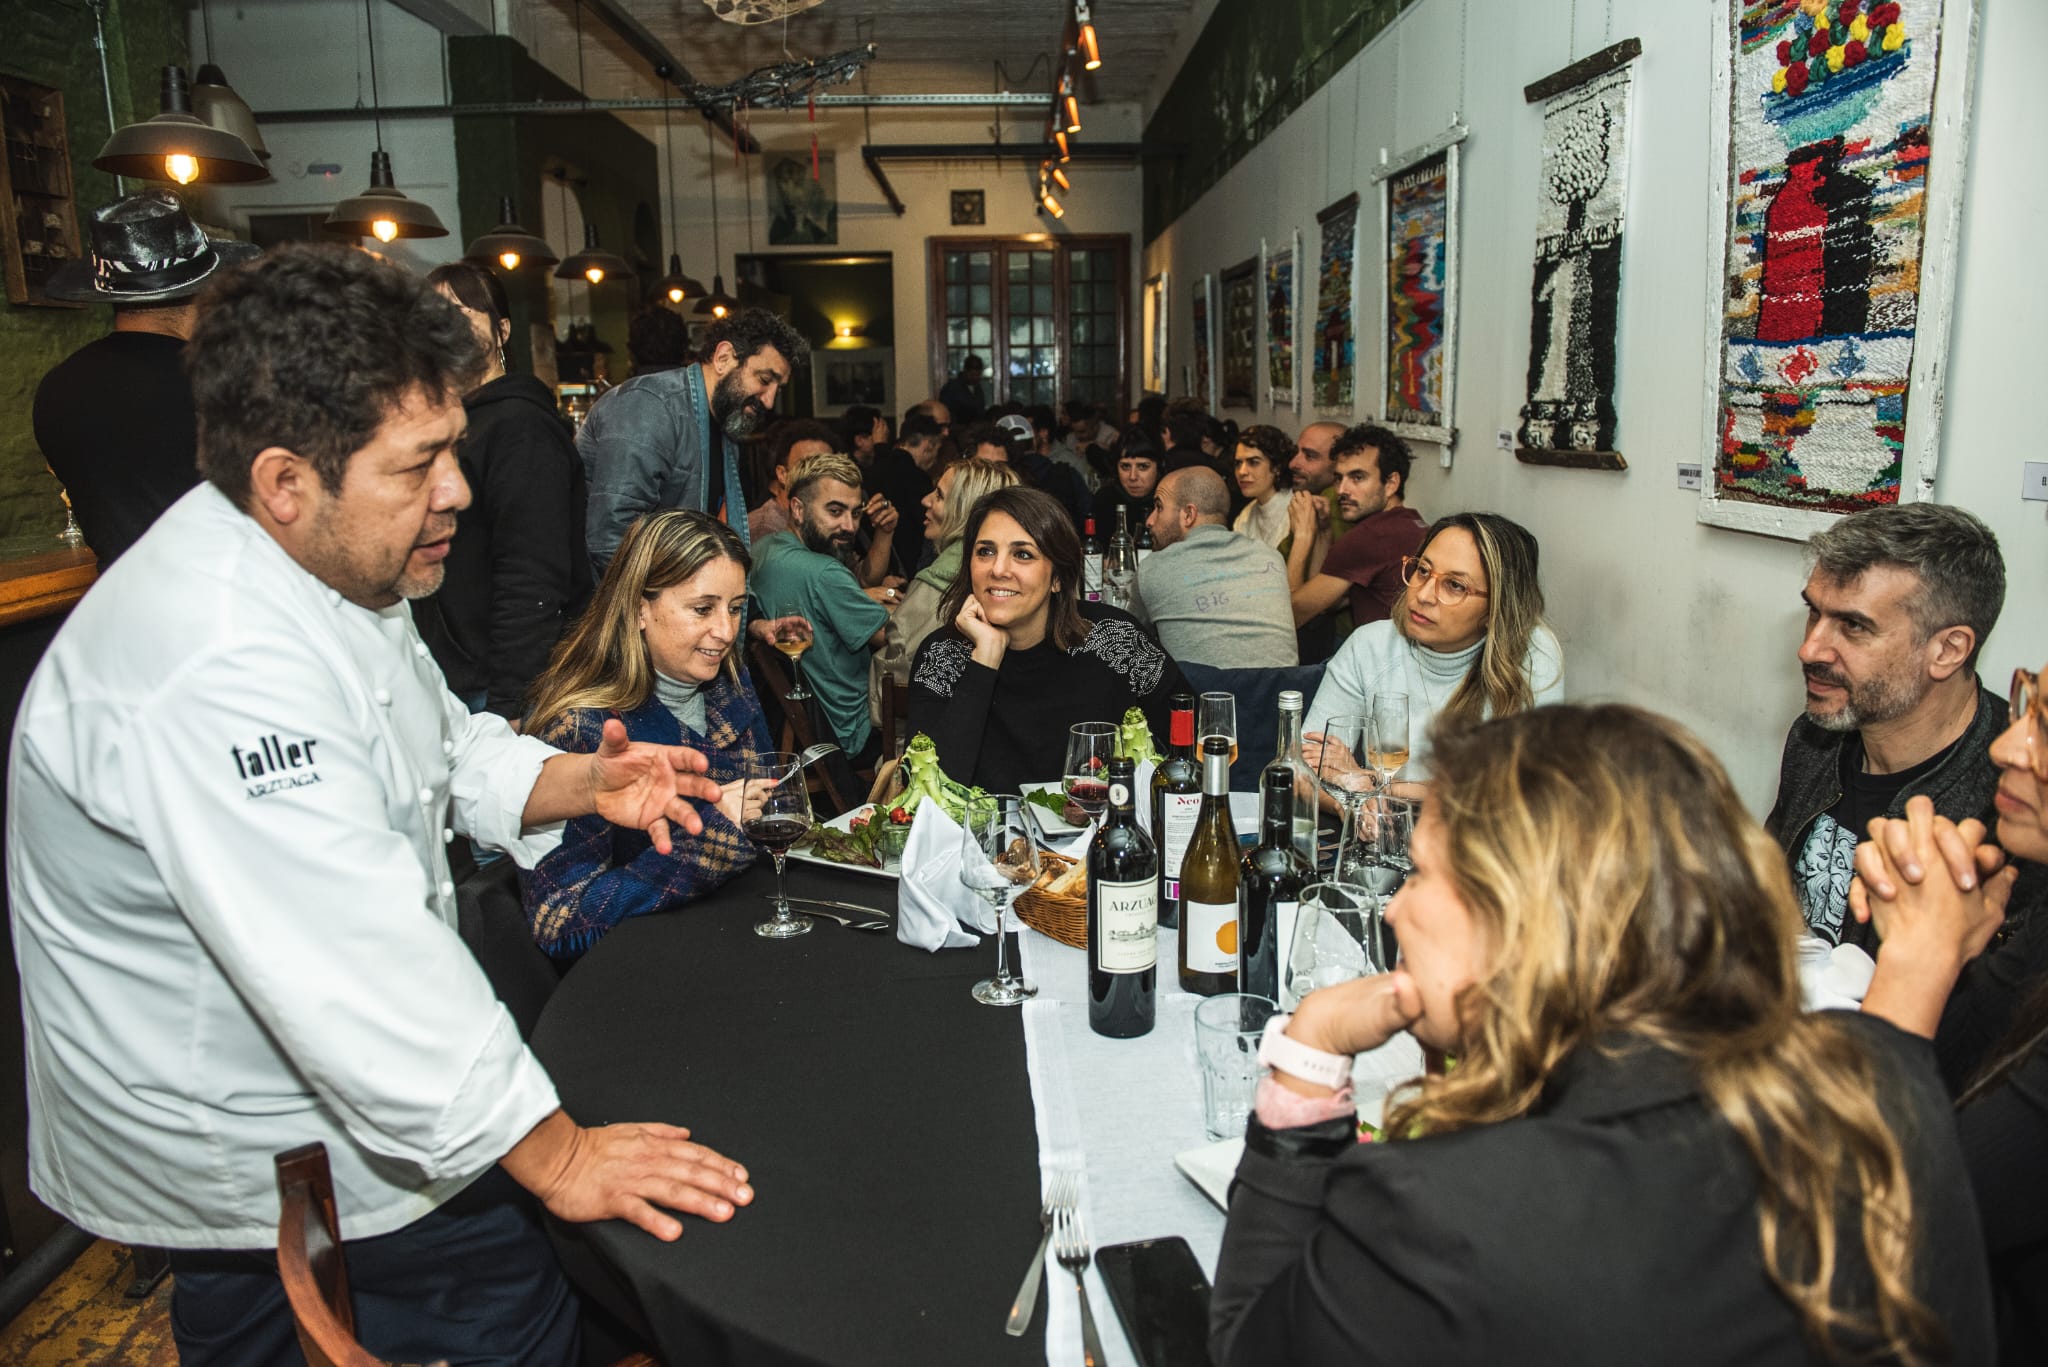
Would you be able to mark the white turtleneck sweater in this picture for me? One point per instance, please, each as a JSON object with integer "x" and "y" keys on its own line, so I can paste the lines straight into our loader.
{"x": 685, "y": 701}
{"x": 1378, "y": 659}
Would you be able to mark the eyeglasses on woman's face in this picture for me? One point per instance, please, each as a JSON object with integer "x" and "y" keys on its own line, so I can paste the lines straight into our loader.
{"x": 1451, "y": 589}
{"x": 2029, "y": 713}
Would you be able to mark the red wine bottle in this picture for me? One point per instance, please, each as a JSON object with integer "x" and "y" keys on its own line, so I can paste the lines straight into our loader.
{"x": 1176, "y": 801}
{"x": 1269, "y": 882}
{"x": 1123, "y": 916}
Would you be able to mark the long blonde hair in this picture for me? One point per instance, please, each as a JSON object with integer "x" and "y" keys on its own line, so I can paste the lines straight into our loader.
{"x": 603, "y": 661}
{"x": 973, "y": 479}
{"x": 1498, "y": 683}
{"x": 1628, "y": 895}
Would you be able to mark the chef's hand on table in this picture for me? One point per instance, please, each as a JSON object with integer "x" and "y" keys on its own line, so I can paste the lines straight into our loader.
{"x": 632, "y": 1172}
{"x": 645, "y": 787}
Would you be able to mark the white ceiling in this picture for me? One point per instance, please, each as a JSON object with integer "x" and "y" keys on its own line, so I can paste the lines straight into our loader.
{"x": 923, "y": 46}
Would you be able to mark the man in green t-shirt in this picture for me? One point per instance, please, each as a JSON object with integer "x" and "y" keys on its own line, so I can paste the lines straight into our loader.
{"x": 800, "y": 572}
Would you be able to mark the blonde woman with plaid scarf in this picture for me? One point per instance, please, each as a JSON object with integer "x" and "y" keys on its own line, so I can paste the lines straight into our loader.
{"x": 659, "y": 650}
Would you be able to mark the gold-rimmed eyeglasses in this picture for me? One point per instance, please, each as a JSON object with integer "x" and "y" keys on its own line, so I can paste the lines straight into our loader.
{"x": 2025, "y": 704}
{"x": 1451, "y": 589}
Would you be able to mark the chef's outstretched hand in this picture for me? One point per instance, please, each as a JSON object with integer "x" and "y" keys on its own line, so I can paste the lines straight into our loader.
{"x": 645, "y": 787}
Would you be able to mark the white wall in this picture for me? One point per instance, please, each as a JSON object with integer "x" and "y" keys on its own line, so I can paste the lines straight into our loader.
{"x": 1654, "y": 608}
{"x": 1105, "y": 199}
{"x": 305, "y": 54}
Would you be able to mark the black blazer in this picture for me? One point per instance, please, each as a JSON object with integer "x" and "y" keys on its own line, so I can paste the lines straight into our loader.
{"x": 1616, "y": 1224}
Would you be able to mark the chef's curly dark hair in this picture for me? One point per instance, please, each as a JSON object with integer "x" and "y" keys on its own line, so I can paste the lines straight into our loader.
{"x": 751, "y": 329}
{"x": 311, "y": 347}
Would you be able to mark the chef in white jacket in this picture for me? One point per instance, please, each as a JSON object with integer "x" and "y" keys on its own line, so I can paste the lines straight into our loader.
{"x": 233, "y": 781}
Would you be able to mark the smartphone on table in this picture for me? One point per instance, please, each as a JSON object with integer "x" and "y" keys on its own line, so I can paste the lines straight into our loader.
{"x": 1162, "y": 1300}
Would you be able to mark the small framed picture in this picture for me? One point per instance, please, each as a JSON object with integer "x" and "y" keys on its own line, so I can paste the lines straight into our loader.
{"x": 970, "y": 208}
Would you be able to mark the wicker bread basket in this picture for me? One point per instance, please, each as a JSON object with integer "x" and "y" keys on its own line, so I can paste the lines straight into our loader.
{"x": 1063, "y": 917}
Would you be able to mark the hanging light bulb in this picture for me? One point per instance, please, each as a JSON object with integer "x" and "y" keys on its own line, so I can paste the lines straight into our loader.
{"x": 175, "y": 145}
{"x": 1059, "y": 178}
{"x": 382, "y": 211}
{"x": 1073, "y": 115}
{"x": 593, "y": 263}
{"x": 1091, "y": 47}
{"x": 1052, "y": 206}
{"x": 181, "y": 168}
{"x": 509, "y": 260}
{"x": 509, "y": 244}
{"x": 1059, "y": 137}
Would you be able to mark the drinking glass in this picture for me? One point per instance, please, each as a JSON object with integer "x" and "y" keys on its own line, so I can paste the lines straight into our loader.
{"x": 774, "y": 783}
{"x": 1227, "y": 1033}
{"x": 999, "y": 844}
{"x": 1085, "y": 779}
{"x": 1378, "y": 859}
{"x": 1345, "y": 773}
{"x": 1216, "y": 715}
{"x": 1389, "y": 734}
{"x": 1336, "y": 938}
{"x": 793, "y": 640}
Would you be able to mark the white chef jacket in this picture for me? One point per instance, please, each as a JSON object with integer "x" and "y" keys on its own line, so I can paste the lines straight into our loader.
{"x": 228, "y": 808}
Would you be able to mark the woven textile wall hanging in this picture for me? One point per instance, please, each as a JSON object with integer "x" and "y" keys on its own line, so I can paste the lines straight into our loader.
{"x": 1241, "y": 335}
{"x": 1569, "y": 418}
{"x": 1419, "y": 308}
{"x": 1205, "y": 372}
{"x": 1333, "y": 335}
{"x": 1283, "y": 387}
{"x": 1833, "y": 303}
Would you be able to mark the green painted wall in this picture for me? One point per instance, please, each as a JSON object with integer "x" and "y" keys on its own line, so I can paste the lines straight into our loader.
{"x": 1253, "y": 66}
{"x": 53, "y": 43}
{"x": 500, "y": 156}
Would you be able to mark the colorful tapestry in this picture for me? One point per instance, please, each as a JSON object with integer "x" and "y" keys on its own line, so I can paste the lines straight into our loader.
{"x": 1830, "y": 132}
{"x": 1334, "y": 336}
{"x": 1241, "y": 335}
{"x": 1200, "y": 317}
{"x": 1418, "y": 274}
{"x": 1576, "y": 296}
{"x": 1279, "y": 287}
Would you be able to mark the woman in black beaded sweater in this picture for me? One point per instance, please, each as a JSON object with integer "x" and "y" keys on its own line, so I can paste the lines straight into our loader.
{"x": 1022, "y": 658}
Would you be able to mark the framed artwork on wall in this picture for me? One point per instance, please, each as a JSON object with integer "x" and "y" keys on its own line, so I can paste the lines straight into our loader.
{"x": 1155, "y": 318}
{"x": 1569, "y": 417}
{"x": 1277, "y": 277}
{"x": 1419, "y": 307}
{"x": 803, "y": 197}
{"x": 1205, "y": 342}
{"x": 1333, "y": 333}
{"x": 841, "y": 379}
{"x": 1241, "y": 335}
{"x": 970, "y": 208}
{"x": 1843, "y": 127}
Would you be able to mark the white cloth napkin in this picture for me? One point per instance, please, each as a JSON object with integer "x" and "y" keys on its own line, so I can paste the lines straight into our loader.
{"x": 1833, "y": 977}
{"x": 931, "y": 902}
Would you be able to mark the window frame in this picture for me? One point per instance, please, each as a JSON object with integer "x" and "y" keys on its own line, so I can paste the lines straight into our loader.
{"x": 1000, "y": 247}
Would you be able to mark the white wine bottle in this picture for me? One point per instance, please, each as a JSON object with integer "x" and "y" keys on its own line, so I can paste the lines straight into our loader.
{"x": 1208, "y": 884}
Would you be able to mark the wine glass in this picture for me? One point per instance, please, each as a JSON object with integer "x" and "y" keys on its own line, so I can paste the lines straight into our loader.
{"x": 1336, "y": 939}
{"x": 778, "y": 808}
{"x": 1389, "y": 735}
{"x": 1344, "y": 773}
{"x": 793, "y": 639}
{"x": 1085, "y": 779}
{"x": 998, "y": 860}
{"x": 1378, "y": 860}
{"x": 1216, "y": 715}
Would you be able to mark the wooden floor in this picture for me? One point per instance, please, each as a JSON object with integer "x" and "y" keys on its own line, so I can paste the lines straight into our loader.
{"x": 85, "y": 1317}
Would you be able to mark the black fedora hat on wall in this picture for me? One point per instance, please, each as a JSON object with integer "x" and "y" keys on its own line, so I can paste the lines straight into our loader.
{"x": 145, "y": 250}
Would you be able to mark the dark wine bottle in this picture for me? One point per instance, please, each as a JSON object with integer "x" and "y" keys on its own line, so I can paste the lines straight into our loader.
{"x": 1208, "y": 884}
{"x": 1176, "y": 801}
{"x": 1123, "y": 916}
{"x": 1269, "y": 883}
{"x": 1091, "y": 564}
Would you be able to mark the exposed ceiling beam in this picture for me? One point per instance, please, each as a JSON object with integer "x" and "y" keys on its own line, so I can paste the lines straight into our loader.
{"x": 620, "y": 20}
{"x": 452, "y": 17}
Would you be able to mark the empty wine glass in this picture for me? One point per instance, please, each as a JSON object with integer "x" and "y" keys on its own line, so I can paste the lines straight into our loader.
{"x": 1377, "y": 859}
{"x": 1336, "y": 939}
{"x": 1085, "y": 779}
{"x": 999, "y": 843}
{"x": 778, "y": 808}
{"x": 1216, "y": 715}
{"x": 1389, "y": 735}
{"x": 1344, "y": 771}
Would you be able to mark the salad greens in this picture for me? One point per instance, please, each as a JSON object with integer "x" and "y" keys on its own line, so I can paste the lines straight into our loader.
{"x": 1134, "y": 739}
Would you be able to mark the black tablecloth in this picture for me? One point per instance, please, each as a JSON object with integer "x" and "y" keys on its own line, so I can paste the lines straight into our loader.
{"x": 884, "y": 1118}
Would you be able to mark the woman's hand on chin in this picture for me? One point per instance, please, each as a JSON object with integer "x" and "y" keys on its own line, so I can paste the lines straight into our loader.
{"x": 990, "y": 642}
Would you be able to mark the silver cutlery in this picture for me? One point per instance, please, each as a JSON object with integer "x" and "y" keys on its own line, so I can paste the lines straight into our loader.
{"x": 814, "y": 754}
{"x": 1060, "y": 1195}
{"x": 1070, "y": 1246}
{"x": 867, "y": 922}
{"x": 854, "y": 907}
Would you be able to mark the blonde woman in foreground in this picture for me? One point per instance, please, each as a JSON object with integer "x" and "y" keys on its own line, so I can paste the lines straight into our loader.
{"x": 1644, "y": 1151}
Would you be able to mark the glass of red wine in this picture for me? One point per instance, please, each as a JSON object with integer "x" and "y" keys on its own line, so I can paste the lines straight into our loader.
{"x": 778, "y": 813}
{"x": 1085, "y": 779}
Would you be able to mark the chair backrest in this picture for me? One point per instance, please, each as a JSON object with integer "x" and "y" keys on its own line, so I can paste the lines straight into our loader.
{"x": 791, "y": 722}
{"x": 895, "y": 716}
{"x": 310, "y": 1264}
{"x": 1258, "y": 708}
{"x": 491, "y": 918}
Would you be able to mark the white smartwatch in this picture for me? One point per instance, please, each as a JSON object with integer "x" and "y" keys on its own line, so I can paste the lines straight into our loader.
{"x": 1280, "y": 1051}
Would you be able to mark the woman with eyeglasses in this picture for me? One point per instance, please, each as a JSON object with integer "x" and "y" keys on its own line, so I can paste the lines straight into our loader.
{"x": 1938, "y": 892}
{"x": 1466, "y": 640}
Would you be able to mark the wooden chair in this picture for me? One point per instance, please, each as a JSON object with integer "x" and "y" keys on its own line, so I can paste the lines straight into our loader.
{"x": 315, "y": 1276}
{"x": 895, "y": 717}
{"x": 793, "y": 729}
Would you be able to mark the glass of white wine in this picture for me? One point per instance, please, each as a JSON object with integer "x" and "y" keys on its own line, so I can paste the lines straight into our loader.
{"x": 1388, "y": 736}
{"x": 1216, "y": 715}
{"x": 793, "y": 640}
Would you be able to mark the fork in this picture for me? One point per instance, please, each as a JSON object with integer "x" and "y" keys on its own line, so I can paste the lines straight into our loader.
{"x": 1060, "y": 1195}
{"x": 1070, "y": 1246}
{"x": 815, "y": 753}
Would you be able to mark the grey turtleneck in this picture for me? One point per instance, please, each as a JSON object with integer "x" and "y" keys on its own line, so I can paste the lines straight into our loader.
{"x": 685, "y": 701}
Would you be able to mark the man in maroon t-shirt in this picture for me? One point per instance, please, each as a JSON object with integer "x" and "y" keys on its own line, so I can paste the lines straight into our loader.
{"x": 1365, "y": 563}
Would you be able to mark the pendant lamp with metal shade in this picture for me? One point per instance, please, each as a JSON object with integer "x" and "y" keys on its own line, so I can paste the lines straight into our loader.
{"x": 717, "y": 303}
{"x": 382, "y": 211}
{"x": 593, "y": 263}
{"x": 215, "y": 102}
{"x": 510, "y": 245}
{"x": 675, "y": 285}
{"x": 176, "y": 145}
